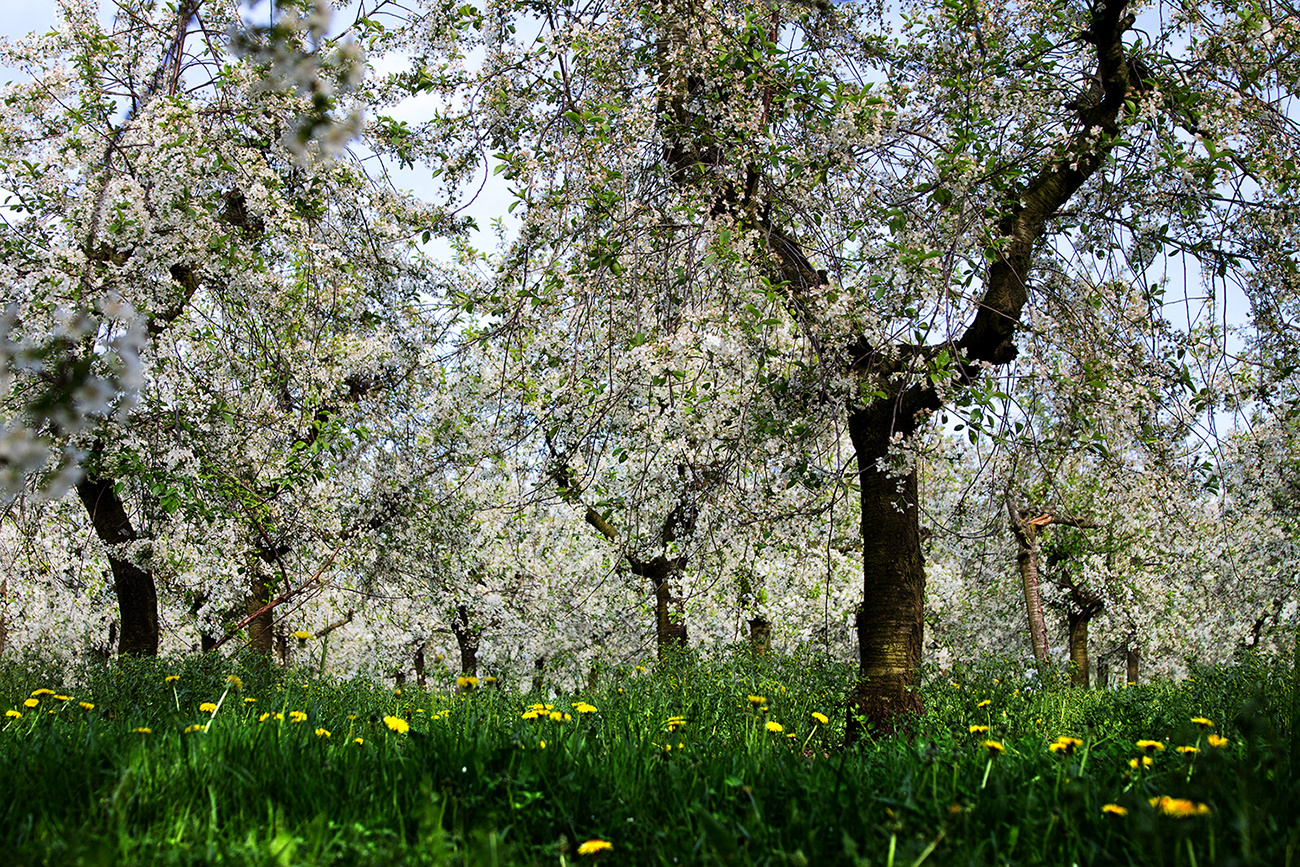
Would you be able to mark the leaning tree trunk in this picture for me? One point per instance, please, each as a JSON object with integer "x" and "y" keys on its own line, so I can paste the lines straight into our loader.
{"x": 137, "y": 598}
{"x": 1026, "y": 533}
{"x": 889, "y": 621}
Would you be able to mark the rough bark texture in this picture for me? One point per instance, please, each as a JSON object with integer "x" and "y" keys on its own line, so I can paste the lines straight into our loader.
{"x": 1079, "y": 667}
{"x": 889, "y": 622}
{"x": 4, "y": 614}
{"x": 137, "y": 598}
{"x": 261, "y": 634}
{"x": 1026, "y": 533}
{"x": 760, "y": 636}
{"x": 467, "y": 639}
{"x": 1131, "y": 664}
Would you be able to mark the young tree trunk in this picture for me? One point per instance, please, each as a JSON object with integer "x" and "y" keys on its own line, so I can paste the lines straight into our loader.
{"x": 1026, "y": 533}
{"x": 4, "y": 613}
{"x": 889, "y": 621}
{"x": 137, "y": 598}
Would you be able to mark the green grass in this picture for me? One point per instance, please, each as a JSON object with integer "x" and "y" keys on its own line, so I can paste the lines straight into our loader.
{"x": 472, "y": 783}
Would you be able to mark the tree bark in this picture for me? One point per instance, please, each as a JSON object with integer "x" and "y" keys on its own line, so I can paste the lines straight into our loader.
{"x": 1078, "y": 626}
{"x": 137, "y": 597}
{"x": 4, "y": 613}
{"x": 760, "y": 636}
{"x": 1131, "y": 664}
{"x": 889, "y": 621}
{"x": 1026, "y": 533}
{"x": 261, "y": 634}
{"x": 467, "y": 640}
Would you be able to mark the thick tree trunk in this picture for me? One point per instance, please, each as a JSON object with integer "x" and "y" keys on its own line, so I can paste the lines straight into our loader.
{"x": 1131, "y": 663}
{"x": 889, "y": 622}
{"x": 1078, "y": 625}
{"x": 467, "y": 640}
{"x": 760, "y": 636}
{"x": 137, "y": 598}
{"x": 1026, "y": 533}
{"x": 261, "y": 634}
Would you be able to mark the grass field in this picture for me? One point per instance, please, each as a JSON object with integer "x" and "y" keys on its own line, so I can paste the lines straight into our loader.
{"x": 737, "y": 761}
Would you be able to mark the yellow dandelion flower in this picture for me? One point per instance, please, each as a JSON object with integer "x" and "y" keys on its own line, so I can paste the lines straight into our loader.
{"x": 467, "y": 682}
{"x": 196, "y": 727}
{"x": 821, "y": 718}
{"x": 235, "y": 681}
{"x": 530, "y": 714}
{"x": 591, "y": 847}
{"x": 556, "y": 716}
{"x": 995, "y": 748}
{"x": 142, "y": 731}
{"x": 757, "y": 700}
{"x": 1148, "y": 746}
{"x": 359, "y": 741}
{"x": 1217, "y": 741}
{"x": 1144, "y": 762}
{"x": 774, "y": 726}
{"x": 1188, "y": 751}
{"x": 985, "y": 703}
{"x": 541, "y": 745}
{"x": 583, "y": 707}
{"x": 979, "y": 730}
{"x": 397, "y": 724}
{"x": 31, "y": 702}
{"x": 207, "y": 707}
{"x": 42, "y": 691}
{"x": 297, "y": 716}
{"x": 13, "y": 714}
{"x": 250, "y": 701}
{"x": 1179, "y": 808}
{"x": 1203, "y": 722}
{"x": 1065, "y": 745}
{"x": 489, "y": 680}
{"x": 1114, "y": 810}
{"x": 322, "y": 733}
{"x": 303, "y": 635}
{"x": 171, "y": 678}
{"x": 62, "y": 697}
{"x": 86, "y": 705}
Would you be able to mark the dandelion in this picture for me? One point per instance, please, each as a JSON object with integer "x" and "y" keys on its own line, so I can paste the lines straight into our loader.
{"x": 207, "y": 707}
{"x": 821, "y": 718}
{"x": 142, "y": 731}
{"x": 397, "y": 724}
{"x": 757, "y": 700}
{"x": 1150, "y": 747}
{"x": 583, "y": 707}
{"x": 676, "y": 722}
{"x": 1217, "y": 741}
{"x": 1203, "y": 722}
{"x": 774, "y": 726}
{"x": 556, "y": 716}
{"x": 359, "y": 741}
{"x": 42, "y": 691}
{"x": 995, "y": 748}
{"x": 1114, "y": 810}
{"x": 297, "y": 716}
{"x": 303, "y": 635}
{"x": 1144, "y": 762}
{"x": 1179, "y": 808}
{"x": 171, "y": 678}
{"x": 467, "y": 683}
{"x": 196, "y": 727}
{"x": 1188, "y": 752}
{"x": 530, "y": 714}
{"x": 979, "y": 730}
{"x": 322, "y": 733}
{"x": 1065, "y": 745}
{"x": 85, "y": 705}
{"x": 235, "y": 681}
{"x": 31, "y": 702}
{"x": 985, "y": 703}
{"x": 541, "y": 745}
{"x": 591, "y": 847}
{"x": 250, "y": 701}
{"x": 13, "y": 714}
{"x": 62, "y": 697}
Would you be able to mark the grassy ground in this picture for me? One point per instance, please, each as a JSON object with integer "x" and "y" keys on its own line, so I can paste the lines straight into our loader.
{"x": 698, "y": 762}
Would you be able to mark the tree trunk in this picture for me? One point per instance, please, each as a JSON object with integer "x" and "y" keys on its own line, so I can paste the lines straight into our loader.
{"x": 419, "y": 667}
{"x": 4, "y": 613}
{"x": 760, "y": 636}
{"x": 261, "y": 634}
{"x": 1078, "y": 626}
{"x": 137, "y": 598}
{"x": 467, "y": 640}
{"x": 1131, "y": 661}
{"x": 1026, "y": 533}
{"x": 1103, "y": 675}
{"x": 889, "y": 621}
